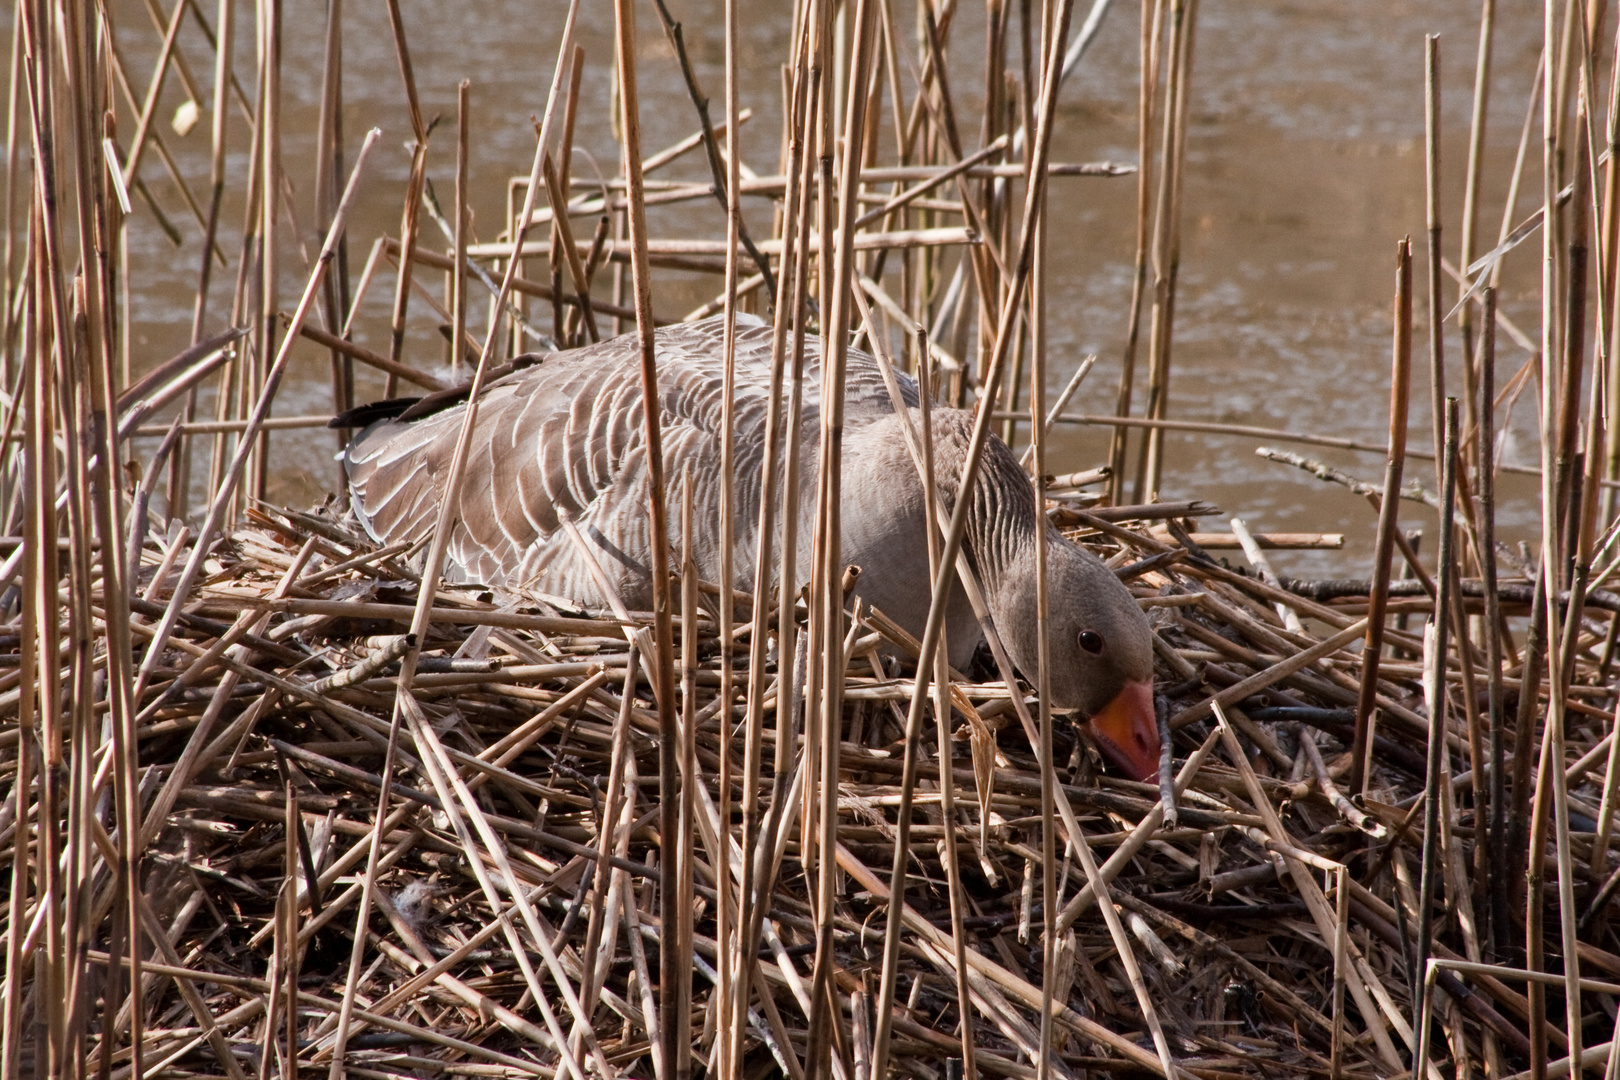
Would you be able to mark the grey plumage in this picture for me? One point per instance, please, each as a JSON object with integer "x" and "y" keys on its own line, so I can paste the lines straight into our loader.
{"x": 565, "y": 439}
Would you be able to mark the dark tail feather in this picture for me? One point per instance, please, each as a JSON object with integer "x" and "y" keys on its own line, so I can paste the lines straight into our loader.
{"x": 414, "y": 408}
{"x": 365, "y": 415}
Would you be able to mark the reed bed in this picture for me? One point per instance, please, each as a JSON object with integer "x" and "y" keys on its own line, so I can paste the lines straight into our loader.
{"x": 276, "y": 706}
{"x": 275, "y": 798}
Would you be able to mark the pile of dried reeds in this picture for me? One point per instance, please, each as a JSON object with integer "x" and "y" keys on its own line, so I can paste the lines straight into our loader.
{"x": 518, "y": 804}
{"x": 276, "y": 798}
{"x": 1251, "y": 927}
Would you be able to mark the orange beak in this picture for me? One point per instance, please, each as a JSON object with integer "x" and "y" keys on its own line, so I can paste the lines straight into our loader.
{"x": 1127, "y": 731}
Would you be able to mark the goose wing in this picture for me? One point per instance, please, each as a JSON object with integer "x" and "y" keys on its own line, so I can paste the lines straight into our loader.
{"x": 549, "y": 442}
{"x": 563, "y": 439}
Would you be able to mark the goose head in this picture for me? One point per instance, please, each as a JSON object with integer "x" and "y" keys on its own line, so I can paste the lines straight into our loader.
{"x": 1101, "y": 666}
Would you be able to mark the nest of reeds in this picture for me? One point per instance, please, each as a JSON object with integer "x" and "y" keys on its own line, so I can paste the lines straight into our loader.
{"x": 1254, "y": 923}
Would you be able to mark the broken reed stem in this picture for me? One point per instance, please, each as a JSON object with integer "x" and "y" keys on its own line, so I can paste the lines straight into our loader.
{"x": 1183, "y": 18}
{"x": 458, "y": 272}
{"x": 1152, "y": 17}
{"x": 1431, "y": 205}
{"x": 1388, "y": 514}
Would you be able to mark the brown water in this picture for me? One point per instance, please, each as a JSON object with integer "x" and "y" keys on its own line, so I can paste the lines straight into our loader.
{"x": 1304, "y": 168}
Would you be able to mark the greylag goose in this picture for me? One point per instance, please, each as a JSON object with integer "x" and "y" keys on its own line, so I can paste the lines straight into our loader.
{"x": 562, "y": 439}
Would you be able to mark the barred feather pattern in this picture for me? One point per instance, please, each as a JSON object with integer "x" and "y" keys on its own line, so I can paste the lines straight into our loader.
{"x": 566, "y": 439}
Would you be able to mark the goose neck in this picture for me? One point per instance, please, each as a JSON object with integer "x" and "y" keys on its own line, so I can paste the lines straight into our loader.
{"x": 1001, "y": 527}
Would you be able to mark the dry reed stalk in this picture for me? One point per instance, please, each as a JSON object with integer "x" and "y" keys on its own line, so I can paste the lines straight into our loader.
{"x": 251, "y": 485}
{"x": 1181, "y": 18}
{"x": 556, "y": 187}
{"x": 1485, "y": 471}
{"x": 912, "y": 194}
{"x": 1589, "y": 472}
{"x": 1080, "y": 372}
{"x": 180, "y": 476}
{"x": 679, "y": 252}
{"x": 571, "y": 257}
{"x": 1471, "y": 199}
{"x": 1249, "y": 431}
{"x": 1431, "y": 206}
{"x": 728, "y": 932}
{"x": 94, "y": 417}
{"x": 607, "y": 833}
{"x": 1052, "y": 39}
{"x": 1152, "y": 19}
{"x": 458, "y": 270}
{"x": 679, "y": 849}
{"x": 1556, "y": 431}
{"x": 757, "y": 870}
{"x": 1388, "y": 514}
{"x": 675, "y": 1048}
{"x": 828, "y": 589}
{"x": 42, "y": 615}
{"x": 328, "y": 178}
{"x": 823, "y": 631}
{"x": 86, "y": 374}
{"x": 131, "y": 167}
{"x": 942, "y": 681}
{"x": 231, "y": 396}
{"x": 1435, "y": 692}
{"x": 12, "y": 289}
{"x": 403, "y": 280}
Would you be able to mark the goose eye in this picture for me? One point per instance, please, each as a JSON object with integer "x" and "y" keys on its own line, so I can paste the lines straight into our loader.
{"x": 1092, "y": 642}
